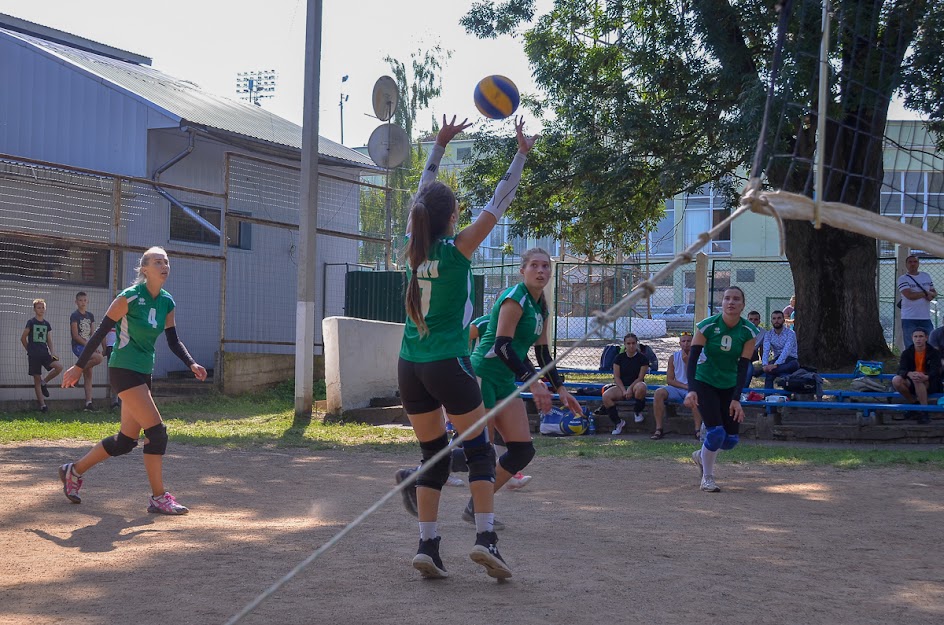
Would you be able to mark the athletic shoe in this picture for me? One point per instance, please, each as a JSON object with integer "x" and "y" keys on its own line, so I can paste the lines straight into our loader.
{"x": 708, "y": 484}
{"x": 485, "y": 552}
{"x": 427, "y": 560}
{"x": 408, "y": 493}
{"x": 468, "y": 515}
{"x": 166, "y": 504}
{"x": 455, "y": 480}
{"x": 638, "y": 417}
{"x": 619, "y": 427}
{"x": 44, "y": 408}
{"x": 71, "y": 483}
{"x": 696, "y": 458}
{"x": 89, "y": 407}
{"x": 44, "y": 389}
{"x": 602, "y": 411}
{"x": 518, "y": 480}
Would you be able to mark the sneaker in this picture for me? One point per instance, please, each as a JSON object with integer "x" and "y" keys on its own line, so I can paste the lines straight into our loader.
{"x": 638, "y": 417}
{"x": 619, "y": 427}
{"x": 602, "y": 411}
{"x": 455, "y": 480}
{"x": 44, "y": 389}
{"x": 427, "y": 560}
{"x": 518, "y": 480}
{"x": 708, "y": 484}
{"x": 166, "y": 504}
{"x": 89, "y": 407}
{"x": 468, "y": 515}
{"x": 696, "y": 458}
{"x": 71, "y": 483}
{"x": 485, "y": 552}
{"x": 408, "y": 493}
{"x": 44, "y": 408}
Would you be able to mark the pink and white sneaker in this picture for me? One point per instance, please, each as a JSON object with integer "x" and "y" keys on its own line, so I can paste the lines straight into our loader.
{"x": 518, "y": 480}
{"x": 71, "y": 483}
{"x": 166, "y": 504}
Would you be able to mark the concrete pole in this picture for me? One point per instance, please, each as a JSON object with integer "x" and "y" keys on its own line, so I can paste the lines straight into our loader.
{"x": 308, "y": 217}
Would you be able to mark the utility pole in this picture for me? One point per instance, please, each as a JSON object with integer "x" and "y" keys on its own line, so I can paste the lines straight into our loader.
{"x": 344, "y": 98}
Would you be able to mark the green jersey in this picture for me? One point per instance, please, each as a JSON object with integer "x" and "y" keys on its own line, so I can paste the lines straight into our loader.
{"x": 485, "y": 361}
{"x": 445, "y": 281}
{"x": 480, "y": 324}
{"x": 723, "y": 348}
{"x": 139, "y": 329}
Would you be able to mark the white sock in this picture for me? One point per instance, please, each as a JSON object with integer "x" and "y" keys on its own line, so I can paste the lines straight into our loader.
{"x": 708, "y": 461}
{"x": 75, "y": 473}
{"x": 428, "y": 530}
{"x": 484, "y": 522}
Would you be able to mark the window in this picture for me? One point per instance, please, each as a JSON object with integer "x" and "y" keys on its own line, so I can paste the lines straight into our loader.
{"x": 463, "y": 154}
{"x": 745, "y": 275}
{"x": 183, "y": 227}
{"x": 704, "y": 209}
{"x": 23, "y": 259}
{"x": 662, "y": 239}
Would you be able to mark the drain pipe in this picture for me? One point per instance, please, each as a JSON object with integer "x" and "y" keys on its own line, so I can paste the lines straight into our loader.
{"x": 174, "y": 201}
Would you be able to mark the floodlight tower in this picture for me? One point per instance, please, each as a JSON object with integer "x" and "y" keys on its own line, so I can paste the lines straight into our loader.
{"x": 344, "y": 98}
{"x": 256, "y": 85}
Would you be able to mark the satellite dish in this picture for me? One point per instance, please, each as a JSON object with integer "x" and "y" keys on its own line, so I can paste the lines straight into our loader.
{"x": 385, "y": 98}
{"x": 388, "y": 145}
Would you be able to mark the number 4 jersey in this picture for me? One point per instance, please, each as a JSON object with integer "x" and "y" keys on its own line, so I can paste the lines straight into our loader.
{"x": 139, "y": 329}
{"x": 445, "y": 282}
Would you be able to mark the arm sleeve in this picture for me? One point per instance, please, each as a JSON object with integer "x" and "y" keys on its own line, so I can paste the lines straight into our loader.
{"x": 173, "y": 342}
{"x": 789, "y": 349}
{"x": 543, "y": 354}
{"x": 94, "y": 341}
{"x": 523, "y": 369}
{"x": 432, "y": 166}
{"x": 743, "y": 364}
{"x": 507, "y": 186}
{"x": 693, "y": 357}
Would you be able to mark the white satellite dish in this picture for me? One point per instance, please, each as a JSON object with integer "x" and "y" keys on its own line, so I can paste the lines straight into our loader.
{"x": 385, "y": 97}
{"x": 388, "y": 145}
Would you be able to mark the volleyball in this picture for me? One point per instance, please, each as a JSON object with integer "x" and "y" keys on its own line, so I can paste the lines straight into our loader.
{"x": 575, "y": 425}
{"x": 496, "y": 97}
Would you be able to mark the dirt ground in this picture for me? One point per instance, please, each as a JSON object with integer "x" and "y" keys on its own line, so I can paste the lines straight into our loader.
{"x": 589, "y": 541}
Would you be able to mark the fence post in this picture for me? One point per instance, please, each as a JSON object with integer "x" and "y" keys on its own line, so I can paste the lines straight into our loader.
{"x": 701, "y": 286}
{"x": 550, "y": 298}
{"x": 901, "y": 253}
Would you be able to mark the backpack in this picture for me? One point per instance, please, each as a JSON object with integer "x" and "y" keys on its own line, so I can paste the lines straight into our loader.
{"x": 610, "y": 352}
{"x": 868, "y": 384}
{"x": 802, "y": 381}
{"x": 651, "y": 356}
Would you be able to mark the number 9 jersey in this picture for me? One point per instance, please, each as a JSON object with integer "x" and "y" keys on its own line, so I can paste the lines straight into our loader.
{"x": 723, "y": 347}
{"x": 138, "y": 330}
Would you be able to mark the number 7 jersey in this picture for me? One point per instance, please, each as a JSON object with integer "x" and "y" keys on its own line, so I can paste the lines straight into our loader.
{"x": 138, "y": 330}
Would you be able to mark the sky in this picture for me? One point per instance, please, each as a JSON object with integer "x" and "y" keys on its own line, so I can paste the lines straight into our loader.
{"x": 209, "y": 41}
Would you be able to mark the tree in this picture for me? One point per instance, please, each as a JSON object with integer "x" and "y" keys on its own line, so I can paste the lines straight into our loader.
{"x": 670, "y": 96}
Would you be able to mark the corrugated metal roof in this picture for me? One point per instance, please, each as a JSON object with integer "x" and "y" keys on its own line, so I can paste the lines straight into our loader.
{"x": 188, "y": 102}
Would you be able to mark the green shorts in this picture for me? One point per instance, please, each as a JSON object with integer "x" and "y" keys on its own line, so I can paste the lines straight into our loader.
{"x": 495, "y": 391}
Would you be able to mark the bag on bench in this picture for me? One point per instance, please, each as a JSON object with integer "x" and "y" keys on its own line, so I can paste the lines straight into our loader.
{"x": 868, "y": 384}
{"x": 802, "y": 381}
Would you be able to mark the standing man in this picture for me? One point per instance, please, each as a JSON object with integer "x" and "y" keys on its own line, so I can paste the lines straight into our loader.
{"x": 778, "y": 356}
{"x": 917, "y": 291}
{"x": 676, "y": 377}
{"x": 82, "y": 324}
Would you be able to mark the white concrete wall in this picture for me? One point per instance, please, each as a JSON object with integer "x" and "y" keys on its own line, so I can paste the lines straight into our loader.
{"x": 360, "y": 361}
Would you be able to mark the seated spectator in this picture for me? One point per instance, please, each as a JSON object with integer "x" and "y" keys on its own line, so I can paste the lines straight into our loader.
{"x": 919, "y": 373}
{"x": 778, "y": 355}
{"x": 629, "y": 382}
{"x": 676, "y": 377}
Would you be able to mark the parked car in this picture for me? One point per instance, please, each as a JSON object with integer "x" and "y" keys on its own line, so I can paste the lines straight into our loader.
{"x": 678, "y": 318}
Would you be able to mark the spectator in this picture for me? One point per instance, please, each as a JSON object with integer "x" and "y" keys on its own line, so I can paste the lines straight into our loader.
{"x": 919, "y": 373}
{"x": 789, "y": 312}
{"x": 37, "y": 341}
{"x": 917, "y": 291}
{"x": 82, "y": 325}
{"x": 676, "y": 377}
{"x": 754, "y": 317}
{"x": 629, "y": 382}
{"x": 778, "y": 356}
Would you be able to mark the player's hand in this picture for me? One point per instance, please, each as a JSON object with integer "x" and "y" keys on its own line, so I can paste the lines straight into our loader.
{"x": 569, "y": 402}
{"x": 199, "y": 372}
{"x": 541, "y": 396}
{"x": 71, "y": 376}
{"x": 449, "y": 130}
{"x": 524, "y": 143}
{"x": 737, "y": 413}
{"x": 691, "y": 400}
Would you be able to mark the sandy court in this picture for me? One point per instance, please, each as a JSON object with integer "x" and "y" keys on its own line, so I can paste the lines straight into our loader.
{"x": 590, "y": 541}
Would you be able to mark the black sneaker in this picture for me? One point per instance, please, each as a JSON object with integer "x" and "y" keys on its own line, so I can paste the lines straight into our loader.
{"x": 602, "y": 411}
{"x": 427, "y": 560}
{"x": 45, "y": 390}
{"x": 485, "y": 552}
{"x": 44, "y": 409}
{"x": 468, "y": 515}
{"x": 409, "y": 493}
{"x": 89, "y": 407}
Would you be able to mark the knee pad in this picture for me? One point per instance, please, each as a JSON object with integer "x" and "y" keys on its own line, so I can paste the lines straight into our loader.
{"x": 714, "y": 438}
{"x": 518, "y": 456}
{"x": 435, "y": 475}
{"x": 458, "y": 464}
{"x": 119, "y": 444}
{"x": 480, "y": 456}
{"x": 157, "y": 440}
{"x": 730, "y": 441}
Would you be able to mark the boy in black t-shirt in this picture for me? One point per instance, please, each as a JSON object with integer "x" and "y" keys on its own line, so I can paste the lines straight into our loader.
{"x": 37, "y": 341}
{"x": 82, "y": 325}
{"x": 629, "y": 382}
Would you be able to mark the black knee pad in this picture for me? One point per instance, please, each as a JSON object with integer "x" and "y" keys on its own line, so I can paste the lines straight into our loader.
{"x": 459, "y": 465}
{"x": 481, "y": 461}
{"x": 119, "y": 444}
{"x": 157, "y": 440}
{"x": 518, "y": 456}
{"x": 436, "y": 475}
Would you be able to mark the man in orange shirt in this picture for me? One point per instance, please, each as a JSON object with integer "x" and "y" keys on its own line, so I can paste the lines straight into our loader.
{"x": 919, "y": 373}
